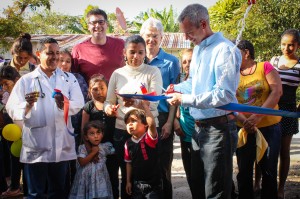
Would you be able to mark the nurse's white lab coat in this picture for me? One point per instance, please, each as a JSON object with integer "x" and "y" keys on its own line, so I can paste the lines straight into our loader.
{"x": 45, "y": 135}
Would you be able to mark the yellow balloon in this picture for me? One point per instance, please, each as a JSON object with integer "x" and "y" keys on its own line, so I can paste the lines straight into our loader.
{"x": 15, "y": 148}
{"x": 12, "y": 132}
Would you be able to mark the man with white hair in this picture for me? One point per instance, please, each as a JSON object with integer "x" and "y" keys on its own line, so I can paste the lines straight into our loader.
{"x": 152, "y": 32}
{"x": 213, "y": 81}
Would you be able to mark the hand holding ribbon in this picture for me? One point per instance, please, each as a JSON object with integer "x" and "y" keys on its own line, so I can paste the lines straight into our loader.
{"x": 62, "y": 103}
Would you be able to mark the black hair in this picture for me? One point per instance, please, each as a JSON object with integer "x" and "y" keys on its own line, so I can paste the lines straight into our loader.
{"x": 247, "y": 45}
{"x": 93, "y": 124}
{"x": 184, "y": 51}
{"x": 35, "y": 58}
{"x": 46, "y": 40}
{"x": 97, "y": 11}
{"x": 22, "y": 44}
{"x": 8, "y": 72}
{"x": 66, "y": 51}
{"x": 96, "y": 78}
{"x": 294, "y": 32}
{"x": 136, "y": 39}
{"x": 138, "y": 113}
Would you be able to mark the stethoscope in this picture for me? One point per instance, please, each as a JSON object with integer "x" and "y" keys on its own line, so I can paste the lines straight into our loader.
{"x": 42, "y": 93}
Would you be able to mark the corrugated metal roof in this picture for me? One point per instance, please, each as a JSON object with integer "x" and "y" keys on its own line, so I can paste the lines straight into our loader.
{"x": 65, "y": 41}
{"x": 169, "y": 41}
{"x": 175, "y": 41}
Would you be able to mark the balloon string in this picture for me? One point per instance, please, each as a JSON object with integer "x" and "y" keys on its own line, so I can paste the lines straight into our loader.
{"x": 242, "y": 23}
{"x": 241, "y": 27}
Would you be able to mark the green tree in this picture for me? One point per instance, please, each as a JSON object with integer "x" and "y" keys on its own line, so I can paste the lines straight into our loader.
{"x": 167, "y": 18}
{"x": 223, "y": 12}
{"x": 46, "y": 22}
{"x": 265, "y": 23}
{"x": 19, "y": 6}
{"x": 13, "y": 24}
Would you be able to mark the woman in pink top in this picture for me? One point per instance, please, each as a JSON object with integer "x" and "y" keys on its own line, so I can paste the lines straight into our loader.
{"x": 259, "y": 85}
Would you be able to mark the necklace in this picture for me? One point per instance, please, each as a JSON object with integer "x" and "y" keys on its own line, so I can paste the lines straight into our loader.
{"x": 250, "y": 72}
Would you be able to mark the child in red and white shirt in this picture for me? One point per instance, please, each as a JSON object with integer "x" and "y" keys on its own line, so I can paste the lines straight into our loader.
{"x": 141, "y": 154}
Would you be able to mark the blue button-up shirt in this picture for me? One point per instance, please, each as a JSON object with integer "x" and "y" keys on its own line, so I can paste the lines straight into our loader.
{"x": 170, "y": 69}
{"x": 214, "y": 77}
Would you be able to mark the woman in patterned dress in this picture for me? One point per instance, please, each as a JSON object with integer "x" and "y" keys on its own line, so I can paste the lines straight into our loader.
{"x": 92, "y": 178}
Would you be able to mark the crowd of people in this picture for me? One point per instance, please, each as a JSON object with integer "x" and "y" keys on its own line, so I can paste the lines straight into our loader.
{"x": 78, "y": 131}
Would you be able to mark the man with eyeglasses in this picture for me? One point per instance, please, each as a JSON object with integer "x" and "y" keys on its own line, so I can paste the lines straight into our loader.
{"x": 100, "y": 53}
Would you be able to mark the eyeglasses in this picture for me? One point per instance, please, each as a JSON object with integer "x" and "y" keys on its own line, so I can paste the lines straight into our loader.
{"x": 100, "y": 22}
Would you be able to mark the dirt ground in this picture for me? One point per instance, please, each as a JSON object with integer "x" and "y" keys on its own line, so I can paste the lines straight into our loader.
{"x": 182, "y": 191}
{"x": 292, "y": 190}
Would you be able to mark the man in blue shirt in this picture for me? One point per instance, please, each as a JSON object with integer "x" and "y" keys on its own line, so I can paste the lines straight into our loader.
{"x": 152, "y": 32}
{"x": 214, "y": 77}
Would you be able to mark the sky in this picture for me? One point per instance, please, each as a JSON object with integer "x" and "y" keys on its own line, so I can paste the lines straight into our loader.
{"x": 130, "y": 8}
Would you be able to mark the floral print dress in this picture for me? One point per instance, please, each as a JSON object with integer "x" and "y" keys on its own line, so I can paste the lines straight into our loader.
{"x": 92, "y": 180}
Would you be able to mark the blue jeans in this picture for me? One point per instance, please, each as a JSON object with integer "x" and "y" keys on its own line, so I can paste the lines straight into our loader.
{"x": 191, "y": 164}
{"x": 246, "y": 156}
{"x": 216, "y": 145}
{"x": 46, "y": 176}
{"x": 196, "y": 177}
